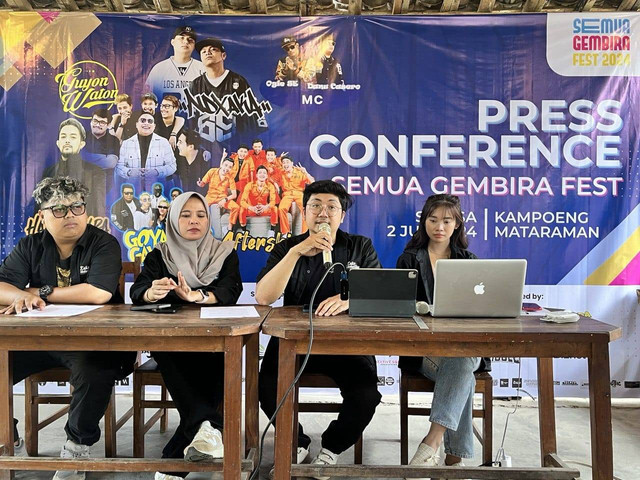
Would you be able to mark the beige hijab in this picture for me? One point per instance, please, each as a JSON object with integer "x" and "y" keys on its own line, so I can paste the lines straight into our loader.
{"x": 200, "y": 261}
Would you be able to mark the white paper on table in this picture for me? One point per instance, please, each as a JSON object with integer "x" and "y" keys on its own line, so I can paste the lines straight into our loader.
{"x": 538, "y": 313}
{"x": 228, "y": 312}
{"x": 60, "y": 311}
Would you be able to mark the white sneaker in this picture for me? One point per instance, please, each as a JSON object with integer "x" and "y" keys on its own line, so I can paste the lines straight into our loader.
{"x": 425, "y": 456}
{"x": 77, "y": 452}
{"x": 301, "y": 455}
{"x": 20, "y": 450}
{"x": 459, "y": 464}
{"x": 325, "y": 457}
{"x": 164, "y": 476}
{"x": 207, "y": 444}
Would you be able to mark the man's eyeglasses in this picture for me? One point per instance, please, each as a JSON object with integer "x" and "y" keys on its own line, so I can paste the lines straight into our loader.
{"x": 290, "y": 47}
{"x": 102, "y": 123}
{"x": 60, "y": 211}
{"x": 316, "y": 208}
{"x": 166, "y": 105}
{"x": 150, "y": 121}
{"x": 127, "y": 193}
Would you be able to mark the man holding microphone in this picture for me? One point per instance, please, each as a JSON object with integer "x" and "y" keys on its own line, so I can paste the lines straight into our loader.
{"x": 295, "y": 267}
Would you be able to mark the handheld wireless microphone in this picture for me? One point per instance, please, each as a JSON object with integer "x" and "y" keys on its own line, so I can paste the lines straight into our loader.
{"x": 326, "y": 254}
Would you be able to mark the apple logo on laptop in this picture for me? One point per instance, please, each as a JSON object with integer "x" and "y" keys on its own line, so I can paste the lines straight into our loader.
{"x": 479, "y": 289}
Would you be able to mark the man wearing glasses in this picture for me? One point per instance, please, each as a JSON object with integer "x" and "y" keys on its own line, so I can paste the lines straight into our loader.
{"x": 71, "y": 139}
{"x": 146, "y": 157}
{"x": 124, "y": 209}
{"x": 101, "y": 148}
{"x": 295, "y": 267}
{"x": 293, "y": 66}
{"x": 68, "y": 262}
{"x": 169, "y": 125}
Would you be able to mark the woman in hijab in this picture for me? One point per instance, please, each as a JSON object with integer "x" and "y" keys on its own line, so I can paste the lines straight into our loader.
{"x": 191, "y": 267}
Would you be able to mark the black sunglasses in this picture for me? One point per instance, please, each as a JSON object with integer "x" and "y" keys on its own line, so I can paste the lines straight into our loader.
{"x": 60, "y": 211}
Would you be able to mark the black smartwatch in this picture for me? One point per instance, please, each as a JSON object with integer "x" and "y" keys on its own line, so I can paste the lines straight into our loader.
{"x": 45, "y": 291}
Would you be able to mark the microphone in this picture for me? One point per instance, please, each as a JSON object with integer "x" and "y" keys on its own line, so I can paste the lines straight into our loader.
{"x": 326, "y": 254}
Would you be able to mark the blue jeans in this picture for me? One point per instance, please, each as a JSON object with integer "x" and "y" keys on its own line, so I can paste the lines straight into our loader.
{"x": 453, "y": 400}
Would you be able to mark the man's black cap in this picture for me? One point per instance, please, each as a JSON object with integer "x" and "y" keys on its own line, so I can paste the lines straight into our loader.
{"x": 210, "y": 42}
{"x": 185, "y": 30}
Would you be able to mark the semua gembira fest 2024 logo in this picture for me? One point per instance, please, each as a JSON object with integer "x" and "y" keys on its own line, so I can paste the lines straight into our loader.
{"x": 84, "y": 86}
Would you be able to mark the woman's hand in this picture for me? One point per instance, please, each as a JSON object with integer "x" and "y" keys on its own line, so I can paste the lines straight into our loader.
{"x": 183, "y": 290}
{"x": 159, "y": 289}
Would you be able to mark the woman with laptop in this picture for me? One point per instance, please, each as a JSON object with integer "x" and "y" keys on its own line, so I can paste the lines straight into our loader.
{"x": 191, "y": 267}
{"x": 441, "y": 235}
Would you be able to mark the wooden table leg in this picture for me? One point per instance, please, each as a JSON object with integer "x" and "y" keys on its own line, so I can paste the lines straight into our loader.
{"x": 6, "y": 409}
{"x": 600, "y": 411}
{"x": 232, "y": 435}
{"x": 284, "y": 424}
{"x": 251, "y": 413}
{"x": 546, "y": 409}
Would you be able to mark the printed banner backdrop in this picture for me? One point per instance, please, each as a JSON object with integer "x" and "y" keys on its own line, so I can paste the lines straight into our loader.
{"x": 531, "y": 119}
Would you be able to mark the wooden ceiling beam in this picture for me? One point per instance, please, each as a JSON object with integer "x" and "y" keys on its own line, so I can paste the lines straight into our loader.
{"x": 486, "y": 6}
{"x": 258, "y": 6}
{"x": 68, "y": 5}
{"x": 20, "y": 5}
{"x": 163, "y": 6}
{"x": 534, "y": 5}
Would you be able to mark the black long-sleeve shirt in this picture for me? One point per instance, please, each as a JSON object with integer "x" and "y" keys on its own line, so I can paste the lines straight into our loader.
{"x": 227, "y": 287}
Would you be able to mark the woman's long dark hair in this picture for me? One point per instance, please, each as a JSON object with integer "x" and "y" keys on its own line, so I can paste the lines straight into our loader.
{"x": 458, "y": 240}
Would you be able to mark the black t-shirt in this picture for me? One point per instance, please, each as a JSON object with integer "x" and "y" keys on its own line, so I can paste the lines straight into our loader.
{"x": 35, "y": 260}
{"x": 63, "y": 272}
{"x": 105, "y": 145}
{"x": 190, "y": 173}
{"x": 162, "y": 129}
{"x": 129, "y": 129}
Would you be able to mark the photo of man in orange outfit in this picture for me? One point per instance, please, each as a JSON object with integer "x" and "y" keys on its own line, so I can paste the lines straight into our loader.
{"x": 243, "y": 170}
{"x": 259, "y": 199}
{"x": 294, "y": 179}
{"x": 222, "y": 189}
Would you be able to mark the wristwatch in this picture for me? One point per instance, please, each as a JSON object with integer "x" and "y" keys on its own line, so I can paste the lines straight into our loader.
{"x": 205, "y": 296}
{"x": 45, "y": 291}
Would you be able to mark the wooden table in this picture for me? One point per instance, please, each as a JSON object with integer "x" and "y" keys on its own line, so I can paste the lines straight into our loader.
{"x": 519, "y": 337}
{"x": 116, "y": 327}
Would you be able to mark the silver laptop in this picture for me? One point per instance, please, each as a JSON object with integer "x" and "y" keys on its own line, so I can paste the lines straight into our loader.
{"x": 478, "y": 288}
{"x": 382, "y": 292}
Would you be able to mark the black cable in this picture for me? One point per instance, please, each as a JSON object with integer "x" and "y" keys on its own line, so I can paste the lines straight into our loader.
{"x": 299, "y": 374}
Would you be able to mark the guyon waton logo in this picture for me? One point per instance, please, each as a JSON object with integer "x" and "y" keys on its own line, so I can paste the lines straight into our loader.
{"x": 84, "y": 86}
